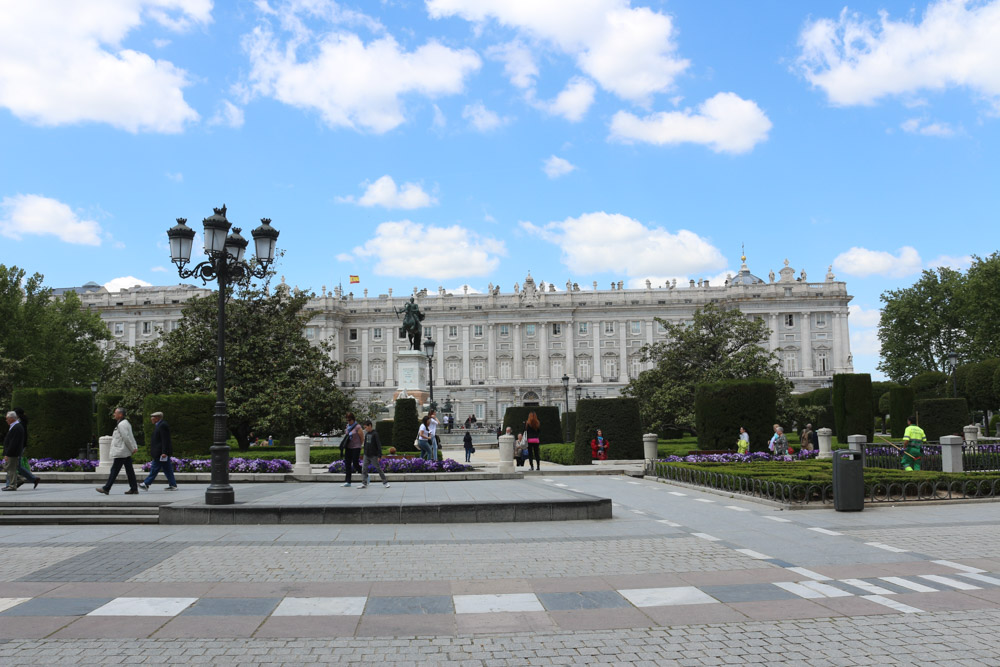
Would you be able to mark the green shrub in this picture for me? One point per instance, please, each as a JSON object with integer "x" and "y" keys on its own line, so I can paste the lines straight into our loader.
{"x": 979, "y": 384}
{"x": 993, "y": 425}
{"x": 942, "y": 416}
{"x": 405, "y": 425}
{"x": 878, "y": 389}
{"x": 548, "y": 419}
{"x": 930, "y": 384}
{"x": 568, "y": 425}
{"x": 618, "y": 419}
{"x": 59, "y": 420}
{"x": 721, "y": 408}
{"x": 852, "y": 405}
{"x": 561, "y": 453}
{"x": 190, "y": 418}
{"x": 384, "y": 429}
{"x": 900, "y": 407}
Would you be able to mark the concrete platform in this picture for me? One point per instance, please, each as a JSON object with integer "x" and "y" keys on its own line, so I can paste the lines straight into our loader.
{"x": 427, "y": 502}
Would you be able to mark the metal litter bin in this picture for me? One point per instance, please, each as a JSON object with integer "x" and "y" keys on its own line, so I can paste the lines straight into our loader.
{"x": 848, "y": 481}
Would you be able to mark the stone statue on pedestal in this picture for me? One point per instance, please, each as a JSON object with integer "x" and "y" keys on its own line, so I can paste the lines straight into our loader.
{"x": 412, "y": 317}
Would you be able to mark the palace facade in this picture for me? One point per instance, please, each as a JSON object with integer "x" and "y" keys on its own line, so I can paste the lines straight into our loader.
{"x": 499, "y": 349}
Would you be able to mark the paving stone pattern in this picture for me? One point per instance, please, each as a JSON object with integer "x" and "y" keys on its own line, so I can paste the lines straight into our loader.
{"x": 21, "y": 560}
{"x": 106, "y": 562}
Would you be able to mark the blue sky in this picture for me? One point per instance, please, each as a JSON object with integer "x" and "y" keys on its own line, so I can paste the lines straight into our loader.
{"x": 449, "y": 142}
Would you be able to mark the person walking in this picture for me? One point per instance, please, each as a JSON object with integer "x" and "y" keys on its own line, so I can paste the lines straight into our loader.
{"x": 533, "y": 435}
{"x": 24, "y": 467}
{"x": 352, "y": 449}
{"x": 373, "y": 455}
{"x": 913, "y": 445}
{"x": 807, "y": 438}
{"x": 122, "y": 448}
{"x": 423, "y": 438}
{"x": 779, "y": 443}
{"x": 743, "y": 444}
{"x": 13, "y": 447}
{"x": 432, "y": 425}
{"x": 467, "y": 441}
{"x": 160, "y": 451}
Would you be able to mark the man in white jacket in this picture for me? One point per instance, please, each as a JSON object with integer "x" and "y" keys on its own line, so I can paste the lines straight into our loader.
{"x": 122, "y": 448}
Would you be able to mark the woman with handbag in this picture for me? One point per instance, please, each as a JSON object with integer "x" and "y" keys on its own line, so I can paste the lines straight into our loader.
{"x": 424, "y": 438}
{"x": 532, "y": 435}
{"x": 469, "y": 449}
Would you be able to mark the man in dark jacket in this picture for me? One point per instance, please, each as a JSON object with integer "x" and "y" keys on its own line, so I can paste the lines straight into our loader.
{"x": 160, "y": 451}
{"x": 373, "y": 454}
{"x": 13, "y": 447}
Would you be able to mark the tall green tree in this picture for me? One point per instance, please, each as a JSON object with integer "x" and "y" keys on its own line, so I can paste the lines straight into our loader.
{"x": 980, "y": 305}
{"x": 45, "y": 341}
{"x": 716, "y": 345}
{"x": 921, "y": 324}
{"x": 276, "y": 381}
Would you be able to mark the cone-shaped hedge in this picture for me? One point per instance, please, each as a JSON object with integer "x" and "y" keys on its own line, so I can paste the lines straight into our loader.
{"x": 405, "y": 425}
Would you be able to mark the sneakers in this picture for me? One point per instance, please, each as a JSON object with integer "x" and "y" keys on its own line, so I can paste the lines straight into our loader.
{"x": 385, "y": 484}
{"x": 171, "y": 488}
{"x": 346, "y": 484}
{"x": 363, "y": 486}
{"x": 101, "y": 489}
{"x": 144, "y": 486}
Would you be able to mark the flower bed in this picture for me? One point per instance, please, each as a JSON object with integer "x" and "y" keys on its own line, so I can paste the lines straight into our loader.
{"x": 409, "y": 465}
{"x": 752, "y": 457}
{"x": 62, "y": 465}
{"x": 235, "y": 465}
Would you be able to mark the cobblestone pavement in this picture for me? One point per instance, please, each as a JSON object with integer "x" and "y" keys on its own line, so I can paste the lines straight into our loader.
{"x": 677, "y": 577}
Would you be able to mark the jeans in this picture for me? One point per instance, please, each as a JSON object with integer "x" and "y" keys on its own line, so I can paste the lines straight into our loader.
{"x": 535, "y": 452}
{"x": 116, "y": 467}
{"x": 25, "y": 472}
{"x": 434, "y": 448}
{"x": 468, "y": 455}
{"x": 156, "y": 466}
{"x": 351, "y": 462}
{"x": 425, "y": 449}
{"x": 372, "y": 461}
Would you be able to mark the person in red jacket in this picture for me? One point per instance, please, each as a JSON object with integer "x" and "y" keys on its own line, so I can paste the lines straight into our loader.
{"x": 599, "y": 447}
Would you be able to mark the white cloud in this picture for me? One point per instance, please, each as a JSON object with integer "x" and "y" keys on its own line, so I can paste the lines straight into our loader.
{"x": 125, "y": 282}
{"x": 658, "y": 281}
{"x": 159, "y": 269}
{"x": 857, "y": 60}
{"x": 610, "y": 241}
{"x": 176, "y": 177}
{"x": 573, "y": 101}
{"x": 950, "y": 261}
{"x": 726, "y": 123}
{"x": 920, "y": 126}
{"x": 406, "y": 248}
{"x": 556, "y": 167}
{"x": 63, "y": 63}
{"x": 22, "y": 215}
{"x": 864, "y": 318}
{"x": 865, "y": 342}
{"x": 629, "y": 51}
{"x": 861, "y": 262}
{"x": 228, "y": 114}
{"x": 440, "y": 120}
{"x": 482, "y": 118}
{"x": 518, "y": 62}
{"x": 384, "y": 192}
{"x": 461, "y": 290}
{"x": 349, "y": 82}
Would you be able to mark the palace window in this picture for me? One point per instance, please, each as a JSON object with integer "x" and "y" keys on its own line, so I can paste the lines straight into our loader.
{"x": 789, "y": 320}
{"x": 477, "y": 330}
{"x": 821, "y": 319}
{"x": 503, "y": 369}
{"x": 377, "y": 333}
{"x": 556, "y": 366}
{"x": 377, "y": 372}
{"x": 556, "y": 328}
{"x": 119, "y": 328}
{"x": 791, "y": 362}
{"x": 661, "y": 328}
{"x": 352, "y": 334}
{"x": 634, "y": 367}
{"x": 452, "y": 332}
{"x": 636, "y": 328}
{"x": 452, "y": 371}
{"x": 583, "y": 369}
{"x": 402, "y": 333}
{"x": 147, "y": 328}
{"x": 582, "y": 328}
{"x": 822, "y": 363}
{"x": 530, "y": 369}
{"x": 504, "y": 329}
{"x": 310, "y": 333}
{"x": 529, "y": 330}
{"x": 610, "y": 368}
{"x": 609, "y": 328}
{"x": 352, "y": 371}
{"x": 478, "y": 369}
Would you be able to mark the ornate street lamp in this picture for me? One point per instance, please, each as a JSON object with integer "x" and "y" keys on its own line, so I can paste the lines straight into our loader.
{"x": 952, "y": 365}
{"x": 93, "y": 411}
{"x": 225, "y": 265}
{"x": 565, "y": 381}
{"x": 429, "y": 351}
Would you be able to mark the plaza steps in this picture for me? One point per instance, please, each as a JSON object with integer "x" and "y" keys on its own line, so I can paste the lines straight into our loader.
{"x": 22, "y": 513}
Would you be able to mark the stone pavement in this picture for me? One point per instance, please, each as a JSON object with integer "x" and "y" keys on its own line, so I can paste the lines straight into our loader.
{"x": 677, "y": 577}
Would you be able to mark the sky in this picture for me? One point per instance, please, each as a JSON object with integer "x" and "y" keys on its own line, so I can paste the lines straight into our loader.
{"x": 442, "y": 143}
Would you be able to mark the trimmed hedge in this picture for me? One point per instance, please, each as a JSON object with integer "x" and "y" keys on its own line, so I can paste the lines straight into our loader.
{"x": 190, "y": 418}
{"x": 720, "y": 409}
{"x": 942, "y": 416}
{"x": 618, "y": 419}
{"x": 852, "y": 405}
{"x": 561, "y": 453}
{"x": 384, "y": 429}
{"x": 568, "y": 424}
{"x": 59, "y": 420}
{"x": 548, "y": 419}
{"x": 900, "y": 407}
{"x": 931, "y": 384}
{"x": 405, "y": 425}
{"x": 821, "y": 398}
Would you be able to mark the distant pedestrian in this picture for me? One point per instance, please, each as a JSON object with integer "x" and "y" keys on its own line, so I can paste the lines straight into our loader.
{"x": 520, "y": 449}
{"x": 24, "y": 466}
{"x": 160, "y": 451}
{"x": 13, "y": 447}
{"x": 533, "y": 435}
{"x": 469, "y": 449}
{"x": 424, "y": 438}
{"x": 270, "y": 441}
{"x": 122, "y": 448}
{"x": 499, "y": 433}
{"x": 353, "y": 441}
{"x": 599, "y": 447}
{"x": 806, "y": 438}
{"x": 779, "y": 443}
{"x": 743, "y": 444}
{"x": 372, "y": 455}
{"x": 432, "y": 425}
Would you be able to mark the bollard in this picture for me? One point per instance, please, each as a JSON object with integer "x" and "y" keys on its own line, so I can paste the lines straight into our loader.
{"x": 971, "y": 433}
{"x": 506, "y": 453}
{"x": 302, "y": 466}
{"x": 649, "y": 447}
{"x": 951, "y": 454}
{"x": 825, "y": 437}
{"x": 104, "y": 466}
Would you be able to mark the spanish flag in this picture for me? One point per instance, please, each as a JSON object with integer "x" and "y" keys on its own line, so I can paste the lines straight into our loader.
{"x": 355, "y": 279}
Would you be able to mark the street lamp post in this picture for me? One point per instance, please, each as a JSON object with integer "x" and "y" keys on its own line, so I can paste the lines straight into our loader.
{"x": 565, "y": 381}
{"x": 225, "y": 265}
{"x": 952, "y": 364}
{"x": 93, "y": 411}
{"x": 429, "y": 351}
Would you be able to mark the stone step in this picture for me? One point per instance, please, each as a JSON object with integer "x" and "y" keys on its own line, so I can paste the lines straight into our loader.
{"x": 79, "y": 510}
{"x": 77, "y": 519}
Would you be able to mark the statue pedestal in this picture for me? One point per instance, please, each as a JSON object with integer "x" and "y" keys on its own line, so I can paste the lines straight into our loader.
{"x": 412, "y": 365}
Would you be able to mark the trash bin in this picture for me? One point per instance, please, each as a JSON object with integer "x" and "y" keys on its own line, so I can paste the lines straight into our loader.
{"x": 848, "y": 481}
